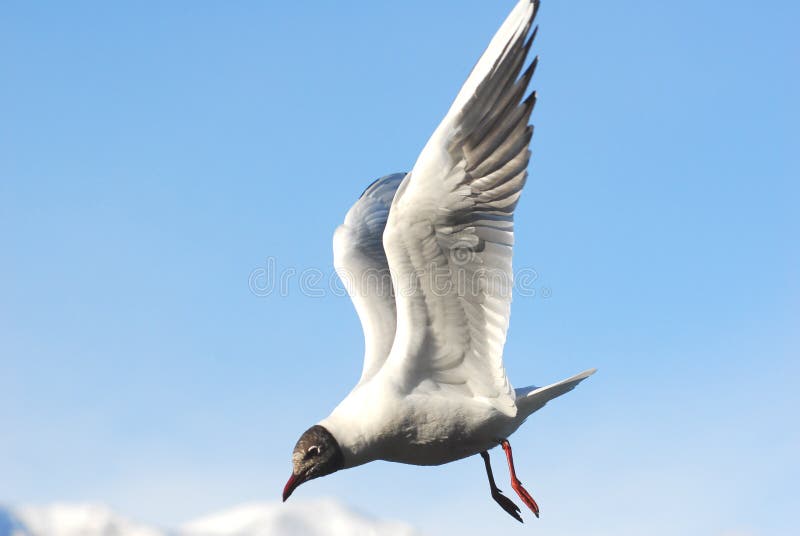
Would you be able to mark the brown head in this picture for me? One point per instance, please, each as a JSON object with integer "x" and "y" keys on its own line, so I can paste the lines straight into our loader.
{"x": 316, "y": 454}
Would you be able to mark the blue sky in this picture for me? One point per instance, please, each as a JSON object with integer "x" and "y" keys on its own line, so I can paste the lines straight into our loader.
{"x": 153, "y": 155}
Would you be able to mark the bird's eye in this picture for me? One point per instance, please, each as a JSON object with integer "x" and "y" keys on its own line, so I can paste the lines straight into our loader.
{"x": 313, "y": 451}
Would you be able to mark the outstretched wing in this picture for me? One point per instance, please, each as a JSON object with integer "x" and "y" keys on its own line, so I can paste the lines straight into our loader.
{"x": 360, "y": 262}
{"x": 451, "y": 228}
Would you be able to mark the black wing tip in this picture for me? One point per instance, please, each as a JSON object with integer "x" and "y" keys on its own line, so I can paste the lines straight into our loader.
{"x": 527, "y": 76}
{"x": 530, "y": 100}
{"x": 532, "y": 37}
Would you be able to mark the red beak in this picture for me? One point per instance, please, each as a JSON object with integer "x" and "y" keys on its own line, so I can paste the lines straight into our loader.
{"x": 291, "y": 485}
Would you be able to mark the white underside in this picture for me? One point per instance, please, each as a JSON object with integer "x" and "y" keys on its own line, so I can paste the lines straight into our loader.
{"x": 378, "y": 422}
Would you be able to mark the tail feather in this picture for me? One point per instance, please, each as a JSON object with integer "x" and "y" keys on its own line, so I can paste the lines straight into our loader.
{"x": 532, "y": 399}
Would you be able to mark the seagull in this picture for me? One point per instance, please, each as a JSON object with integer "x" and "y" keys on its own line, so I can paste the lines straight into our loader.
{"x": 426, "y": 259}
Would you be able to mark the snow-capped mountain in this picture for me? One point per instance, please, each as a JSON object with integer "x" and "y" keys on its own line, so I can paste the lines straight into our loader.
{"x": 300, "y": 519}
{"x": 10, "y": 525}
{"x": 316, "y": 518}
{"x": 69, "y": 520}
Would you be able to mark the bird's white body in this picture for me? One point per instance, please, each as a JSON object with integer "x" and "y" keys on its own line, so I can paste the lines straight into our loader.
{"x": 426, "y": 259}
{"x": 377, "y": 421}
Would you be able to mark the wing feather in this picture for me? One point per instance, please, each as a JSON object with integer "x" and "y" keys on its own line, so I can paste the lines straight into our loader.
{"x": 361, "y": 264}
{"x": 450, "y": 230}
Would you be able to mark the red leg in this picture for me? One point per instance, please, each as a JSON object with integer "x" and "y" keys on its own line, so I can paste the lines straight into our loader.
{"x": 516, "y": 484}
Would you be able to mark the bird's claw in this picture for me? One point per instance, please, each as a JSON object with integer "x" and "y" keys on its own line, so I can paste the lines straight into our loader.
{"x": 507, "y": 505}
{"x": 526, "y": 497}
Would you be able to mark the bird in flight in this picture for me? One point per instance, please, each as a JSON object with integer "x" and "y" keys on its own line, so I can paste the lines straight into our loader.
{"x": 426, "y": 259}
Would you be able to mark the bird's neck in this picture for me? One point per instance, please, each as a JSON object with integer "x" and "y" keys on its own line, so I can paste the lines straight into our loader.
{"x": 357, "y": 424}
